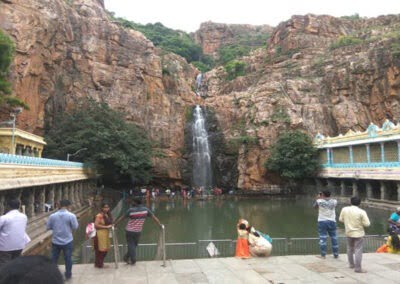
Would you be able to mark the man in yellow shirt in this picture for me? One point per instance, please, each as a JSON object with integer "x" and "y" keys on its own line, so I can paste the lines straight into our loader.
{"x": 354, "y": 219}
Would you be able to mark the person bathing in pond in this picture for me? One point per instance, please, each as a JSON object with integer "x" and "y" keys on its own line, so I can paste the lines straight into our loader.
{"x": 242, "y": 244}
{"x": 101, "y": 242}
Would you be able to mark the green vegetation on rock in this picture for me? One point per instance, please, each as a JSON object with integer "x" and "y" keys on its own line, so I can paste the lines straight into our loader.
{"x": 345, "y": 41}
{"x": 6, "y": 56}
{"x": 116, "y": 148}
{"x": 293, "y": 156}
{"x": 235, "y": 68}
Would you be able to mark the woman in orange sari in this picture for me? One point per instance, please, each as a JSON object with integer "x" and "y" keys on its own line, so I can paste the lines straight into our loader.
{"x": 101, "y": 242}
{"x": 242, "y": 244}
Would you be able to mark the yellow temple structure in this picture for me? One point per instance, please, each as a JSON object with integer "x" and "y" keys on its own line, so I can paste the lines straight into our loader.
{"x": 18, "y": 142}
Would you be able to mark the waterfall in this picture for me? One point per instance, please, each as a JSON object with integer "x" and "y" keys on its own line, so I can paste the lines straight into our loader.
{"x": 202, "y": 174}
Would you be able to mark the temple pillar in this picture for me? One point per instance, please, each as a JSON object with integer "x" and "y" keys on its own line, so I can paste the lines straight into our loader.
{"x": 51, "y": 196}
{"x": 30, "y": 206}
{"x": 342, "y": 188}
{"x": 368, "y": 187}
{"x": 318, "y": 185}
{"x": 398, "y": 191}
{"x": 81, "y": 195}
{"x": 368, "y": 153}
{"x": 331, "y": 184}
{"x": 41, "y": 199}
{"x": 2, "y": 204}
{"x": 382, "y": 152}
{"x": 57, "y": 195}
{"x": 351, "y": 159}
{"x": 383, "y": 190}
{"x": 64, "y": 191}
{"x": 355, "y": 188}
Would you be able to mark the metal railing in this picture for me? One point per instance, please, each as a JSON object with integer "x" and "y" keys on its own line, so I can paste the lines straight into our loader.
{"x": 226, "y": 248}
{"x": 34, "y": 161}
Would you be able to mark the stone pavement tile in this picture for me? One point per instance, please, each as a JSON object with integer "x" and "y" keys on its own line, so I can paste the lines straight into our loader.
{"x": 97, "y": 279}
{"x": 187, "y": 278}
{"x": 156, "y": 267}
{"x": 392, "y": 266}
{"x": 319, "y": 267}
{"x": 161, "y": 278}
{"x": 339, "y": 277}
{"x": 127, "y": 280}
{"x": 222, "y": 276}
{"x": 206, "y": 264}
{"x": 278, "y": 277}
{"x": 305, "y": 282}
{"x": 389, "y": 274}
{"x": 381, "y": 258}
{"x": 185, "y": 266}
{"x": 300, "y": 259}
{"x": 263, "y": 267}
{"x": 302, "y": 273}
{"x": 249, "y": 276}
{"x": 281, "y": 260}
{"x": 234, "y": 263}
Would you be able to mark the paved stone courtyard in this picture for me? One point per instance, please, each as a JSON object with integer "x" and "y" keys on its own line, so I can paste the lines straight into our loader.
{"x": 381, "y": 268}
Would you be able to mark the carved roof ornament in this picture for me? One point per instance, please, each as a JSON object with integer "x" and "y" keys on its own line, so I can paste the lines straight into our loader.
{"x": 388, "y": 125}
{"x": 350, "y": 133}
{"x": 372, "y": 130}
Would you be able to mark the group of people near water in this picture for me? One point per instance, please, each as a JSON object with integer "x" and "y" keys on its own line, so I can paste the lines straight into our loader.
{"x": 13, "y": 239}
{"x": 355, "y": 221}
{"x": 185, "y": 192}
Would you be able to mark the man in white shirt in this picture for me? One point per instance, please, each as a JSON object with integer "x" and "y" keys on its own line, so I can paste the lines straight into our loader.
{"x": 13, "y": 237}
{"x": 354, "y": 219}
{"x": 326, "y": 222}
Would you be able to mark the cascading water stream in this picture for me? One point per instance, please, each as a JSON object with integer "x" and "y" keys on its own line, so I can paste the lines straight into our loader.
{"x": 202, "y": 174}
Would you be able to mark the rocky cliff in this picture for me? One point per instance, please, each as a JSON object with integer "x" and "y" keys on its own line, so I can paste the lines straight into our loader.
{"x": 318, "y": 73}
{"x": 212, "y": 36}
{"x": 66, "y": 50}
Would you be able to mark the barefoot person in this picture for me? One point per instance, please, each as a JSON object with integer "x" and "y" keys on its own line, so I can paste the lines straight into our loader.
{"x": 101, "y": 242}
{"x": 354, "y": 219}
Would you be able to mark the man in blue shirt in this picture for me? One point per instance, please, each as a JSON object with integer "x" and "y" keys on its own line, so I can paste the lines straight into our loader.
{"x": 63, "y": 223}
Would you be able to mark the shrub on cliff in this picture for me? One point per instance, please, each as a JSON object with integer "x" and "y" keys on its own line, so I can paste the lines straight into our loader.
{"x": 6, "y": 57}
{"x": 235, "y": 68}
{"x": 116, "y": 148}
{"x": 293, "y": 156}
{"x": 345, "y": 41}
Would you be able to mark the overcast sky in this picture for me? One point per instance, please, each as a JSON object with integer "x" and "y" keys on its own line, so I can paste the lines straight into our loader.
{"x": 187, "y": 15}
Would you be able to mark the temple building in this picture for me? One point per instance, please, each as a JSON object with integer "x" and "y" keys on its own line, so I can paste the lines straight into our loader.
{"x": 19, "y": 142}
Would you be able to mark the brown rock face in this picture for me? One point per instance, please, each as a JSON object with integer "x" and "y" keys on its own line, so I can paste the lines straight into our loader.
{"x": 211, "y": 36}
{"x": 67, "y": 50}
{"x": 300, "y": 82}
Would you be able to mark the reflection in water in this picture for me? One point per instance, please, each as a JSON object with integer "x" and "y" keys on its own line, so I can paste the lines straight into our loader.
{"x": 191, "y": 220}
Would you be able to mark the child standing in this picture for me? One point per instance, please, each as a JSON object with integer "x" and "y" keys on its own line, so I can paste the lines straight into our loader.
{"x": 242, "y": 244}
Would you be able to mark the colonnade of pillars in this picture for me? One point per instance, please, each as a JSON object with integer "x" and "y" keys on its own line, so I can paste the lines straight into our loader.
{"x": 35, "y": 199}
{"x": 371, "y": 189}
